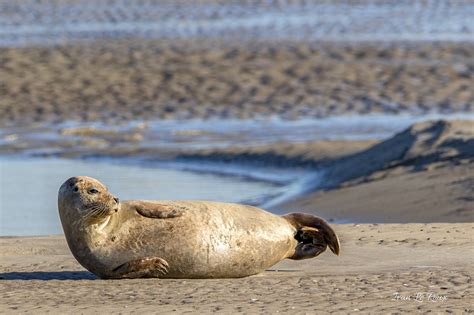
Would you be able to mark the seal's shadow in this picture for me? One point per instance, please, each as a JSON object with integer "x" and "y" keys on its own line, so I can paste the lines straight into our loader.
{"x": 42, "y": 275}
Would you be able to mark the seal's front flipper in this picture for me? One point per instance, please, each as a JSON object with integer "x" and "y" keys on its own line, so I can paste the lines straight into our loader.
{"x": 151, "y": 267}
{"x": 156, "y": 210}
{"x": 313, "y": 235}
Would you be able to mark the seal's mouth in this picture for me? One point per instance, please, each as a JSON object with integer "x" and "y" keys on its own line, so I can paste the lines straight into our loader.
{"x": 98, "y": 211}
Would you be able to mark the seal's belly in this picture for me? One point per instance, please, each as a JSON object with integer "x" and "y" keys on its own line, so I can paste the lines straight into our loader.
{"x": 215, "y": 240}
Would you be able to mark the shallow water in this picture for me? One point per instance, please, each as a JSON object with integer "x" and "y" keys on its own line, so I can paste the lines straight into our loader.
{"x": 214, "y": 133}
{"x": 28, "y": 189}
{"x": 49, "y": 22}
{"x": 225, "y": 132}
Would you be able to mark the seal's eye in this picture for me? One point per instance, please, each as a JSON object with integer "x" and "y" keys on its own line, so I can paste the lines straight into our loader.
{"x": 76, "y": 189}
{"x": 93, "y": 191}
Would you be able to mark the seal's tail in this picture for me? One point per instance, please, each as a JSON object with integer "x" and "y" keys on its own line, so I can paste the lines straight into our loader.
{"x": 313, "y": 234}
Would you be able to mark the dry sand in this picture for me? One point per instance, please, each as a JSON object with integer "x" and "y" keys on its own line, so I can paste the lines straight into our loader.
{"x": 153, "y": 79}
{"x": 378, "y": 261}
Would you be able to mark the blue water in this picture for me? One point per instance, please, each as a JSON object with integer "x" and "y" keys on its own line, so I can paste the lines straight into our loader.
{"x": 28, "y": 189}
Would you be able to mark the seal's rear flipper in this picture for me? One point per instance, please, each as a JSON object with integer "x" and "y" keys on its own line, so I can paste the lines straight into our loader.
{"x": 313, "y": 235}
{"x": 152, "y": 267}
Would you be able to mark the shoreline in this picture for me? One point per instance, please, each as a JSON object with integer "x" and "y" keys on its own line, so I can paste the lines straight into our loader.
{"x": 344, "y": 181}
{"x": 387, "y": 40}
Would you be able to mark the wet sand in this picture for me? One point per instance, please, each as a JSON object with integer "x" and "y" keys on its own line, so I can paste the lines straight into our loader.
{"x": 380, "y": 267}
{"x": 162, "y": 79}
{"x": 441, "y": 194}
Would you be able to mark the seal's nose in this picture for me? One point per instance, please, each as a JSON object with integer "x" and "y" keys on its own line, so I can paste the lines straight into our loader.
{"x": 116, "y": 199}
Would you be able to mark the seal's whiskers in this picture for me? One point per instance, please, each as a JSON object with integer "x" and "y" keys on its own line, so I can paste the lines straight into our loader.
{"x": 96, "y": 212}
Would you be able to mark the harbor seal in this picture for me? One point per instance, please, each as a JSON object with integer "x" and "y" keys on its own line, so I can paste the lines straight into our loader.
{"x": 181, "y": 239}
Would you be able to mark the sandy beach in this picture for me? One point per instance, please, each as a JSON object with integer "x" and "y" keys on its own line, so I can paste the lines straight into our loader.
{"x": 386, "y": 268}
{"x": 357, "y": 110}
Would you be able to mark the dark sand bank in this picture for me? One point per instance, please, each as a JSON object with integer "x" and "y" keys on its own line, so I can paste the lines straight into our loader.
{"x": 423, "y": 174}
{"x": 153, "y": 79}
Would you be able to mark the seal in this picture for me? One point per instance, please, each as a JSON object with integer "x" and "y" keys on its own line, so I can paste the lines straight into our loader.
{"x": 181, "y": 239}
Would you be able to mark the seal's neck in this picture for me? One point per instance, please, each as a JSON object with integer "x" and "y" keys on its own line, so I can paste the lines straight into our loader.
{"x": 86, "y": 236}
{"x": 86, "y": 240}
{"x": 102, "y": 226}
{"x": 99, "y": 231}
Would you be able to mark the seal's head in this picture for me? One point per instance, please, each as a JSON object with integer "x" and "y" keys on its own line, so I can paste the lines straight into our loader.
{"x": 83, "y": 199}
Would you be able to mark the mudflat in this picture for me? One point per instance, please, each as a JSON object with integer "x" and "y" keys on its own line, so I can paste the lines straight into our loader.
{"x": 121, "y": 80}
